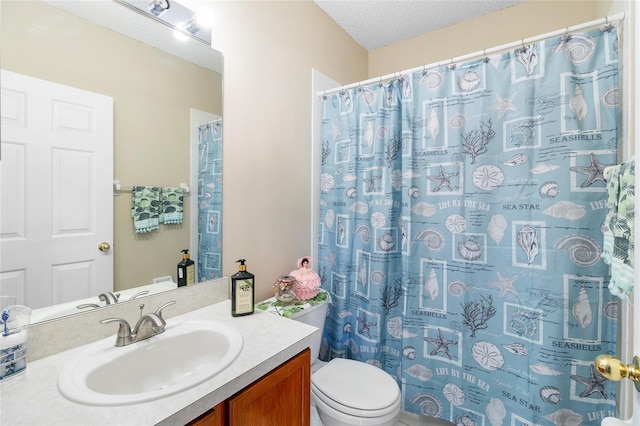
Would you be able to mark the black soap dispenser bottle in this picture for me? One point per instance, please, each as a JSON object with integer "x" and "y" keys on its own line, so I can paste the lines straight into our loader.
{"x": 186, "y": 270}
{"x": 242, "y": 291}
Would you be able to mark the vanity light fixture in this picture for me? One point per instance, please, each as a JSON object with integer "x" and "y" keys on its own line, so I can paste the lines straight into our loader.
{"x": 158, "y": 7}
{"x": 184, "y": 21}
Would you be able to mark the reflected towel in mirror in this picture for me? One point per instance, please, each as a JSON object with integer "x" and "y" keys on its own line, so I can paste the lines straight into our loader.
{"x": 145, "y": 206}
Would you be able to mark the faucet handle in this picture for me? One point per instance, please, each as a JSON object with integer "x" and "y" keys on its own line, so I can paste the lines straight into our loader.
{"x": 159, "y": 310}
{"x": 124, "y": 330}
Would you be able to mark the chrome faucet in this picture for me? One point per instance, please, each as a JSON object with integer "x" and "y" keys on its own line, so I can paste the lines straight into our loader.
{"x": 149, "y": 324}
{"x": 139, "y": 294}
{"x": 109, "y": 298}
{"x": 88, "y": 305}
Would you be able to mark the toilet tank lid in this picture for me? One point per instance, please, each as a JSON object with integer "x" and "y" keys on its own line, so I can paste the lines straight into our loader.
{"x": 356, "y": 384}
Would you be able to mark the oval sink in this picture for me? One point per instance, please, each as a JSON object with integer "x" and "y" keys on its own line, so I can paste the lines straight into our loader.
{"x": 185, "y": 355}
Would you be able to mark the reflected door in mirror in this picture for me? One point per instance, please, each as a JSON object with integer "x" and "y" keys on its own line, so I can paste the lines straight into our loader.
{"x": 57, "y": 195}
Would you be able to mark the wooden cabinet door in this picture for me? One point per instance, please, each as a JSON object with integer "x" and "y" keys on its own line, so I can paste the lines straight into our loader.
{"x": 217, "y": 416}
{"x": 281, "y": 398}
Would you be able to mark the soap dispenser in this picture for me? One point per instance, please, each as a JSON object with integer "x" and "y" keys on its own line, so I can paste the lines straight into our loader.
{"x": 186, "y": 270}
{"x": 242, "y": 291}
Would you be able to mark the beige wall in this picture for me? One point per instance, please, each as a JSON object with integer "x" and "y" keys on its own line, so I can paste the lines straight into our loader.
{"x": 151, "y": 114}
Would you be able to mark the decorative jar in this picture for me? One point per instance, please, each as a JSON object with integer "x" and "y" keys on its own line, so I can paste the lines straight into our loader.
{"x": 283, "y": 289}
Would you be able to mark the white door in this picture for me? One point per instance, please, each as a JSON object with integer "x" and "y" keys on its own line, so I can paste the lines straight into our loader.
{"x": 56, "y": 192}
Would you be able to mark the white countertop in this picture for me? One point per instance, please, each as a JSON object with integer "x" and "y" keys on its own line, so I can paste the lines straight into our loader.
{"x": 32, "y": 398}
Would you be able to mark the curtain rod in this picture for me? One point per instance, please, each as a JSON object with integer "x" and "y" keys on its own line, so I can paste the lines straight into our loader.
{"x": 607, "y": 20}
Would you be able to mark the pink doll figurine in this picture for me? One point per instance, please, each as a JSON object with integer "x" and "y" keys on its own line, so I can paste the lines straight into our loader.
{"x": 307, "y": 282}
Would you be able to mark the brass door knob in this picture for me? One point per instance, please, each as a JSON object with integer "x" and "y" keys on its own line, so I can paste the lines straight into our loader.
{"x": 614, "y": 369}
{"x": 104, "y": 246}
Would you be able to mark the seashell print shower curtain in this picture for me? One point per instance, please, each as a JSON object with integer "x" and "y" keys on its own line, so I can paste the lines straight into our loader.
{"x": 209, "y": 201}
{"x": 460, "y": 232}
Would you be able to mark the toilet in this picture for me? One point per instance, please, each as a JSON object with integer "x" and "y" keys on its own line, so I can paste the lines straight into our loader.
{"x": 347, "y": 392}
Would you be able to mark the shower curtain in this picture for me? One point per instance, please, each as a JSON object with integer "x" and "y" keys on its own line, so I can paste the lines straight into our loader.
{"x": 460, "y": 232}
{"x": 210, "y": 201}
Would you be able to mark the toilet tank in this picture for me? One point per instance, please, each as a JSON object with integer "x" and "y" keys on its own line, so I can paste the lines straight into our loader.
{"x": 315, "y": 316}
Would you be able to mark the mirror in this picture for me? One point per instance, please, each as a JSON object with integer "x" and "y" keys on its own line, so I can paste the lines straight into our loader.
{"x": 156, "y": 82}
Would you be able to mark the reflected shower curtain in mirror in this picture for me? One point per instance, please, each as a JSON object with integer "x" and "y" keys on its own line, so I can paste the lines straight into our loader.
{"x": 210, "y": 201}
{"x": 460, "y": 232}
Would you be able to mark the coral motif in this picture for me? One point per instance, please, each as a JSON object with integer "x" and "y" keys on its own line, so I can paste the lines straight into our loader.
{"x": 393, "y": 149}
{"x": 477, "y": 314}
{"x": 391, "y": 295}
{"x": 476, "y": 142}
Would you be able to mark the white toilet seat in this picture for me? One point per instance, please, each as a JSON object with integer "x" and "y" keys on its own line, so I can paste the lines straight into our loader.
{"x": 355, "y": 388}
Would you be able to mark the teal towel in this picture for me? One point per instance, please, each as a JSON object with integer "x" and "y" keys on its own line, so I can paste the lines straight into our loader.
{"x": 145, "y": 203}
{"x": 172, "y": 205}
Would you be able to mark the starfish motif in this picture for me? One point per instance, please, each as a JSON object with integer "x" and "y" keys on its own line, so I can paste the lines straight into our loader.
{"x": 371, "y": 183}
{"x": 594, "y": 172}
{"x": 441, "y": 344}
{"x": 505, "y": 284}
{"x": 366, "y": 326}
{"x": 504, "y": 105}
{"x": 595, "y": 383}
{"x": 443, "y": 180}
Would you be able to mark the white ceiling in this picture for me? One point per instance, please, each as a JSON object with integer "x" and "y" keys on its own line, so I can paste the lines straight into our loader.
{"x": 378, "y": 23}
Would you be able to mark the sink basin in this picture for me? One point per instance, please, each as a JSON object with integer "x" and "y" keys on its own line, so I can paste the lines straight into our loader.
{"x": 185, "y": 355}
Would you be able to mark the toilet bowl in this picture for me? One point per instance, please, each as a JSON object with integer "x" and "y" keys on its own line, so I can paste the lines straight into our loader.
{"x": 347, "y": 392}
{"x": 344, "y": 392}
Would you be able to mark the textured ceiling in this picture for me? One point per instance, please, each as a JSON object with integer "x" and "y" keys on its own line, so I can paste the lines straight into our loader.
{"x": 378, "y": 23}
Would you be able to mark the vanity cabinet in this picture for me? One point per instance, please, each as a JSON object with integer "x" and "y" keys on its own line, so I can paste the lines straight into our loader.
{"x": 281, "y": 397}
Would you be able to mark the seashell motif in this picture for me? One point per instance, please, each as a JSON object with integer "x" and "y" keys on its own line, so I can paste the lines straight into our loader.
{"x": 611, "y": 97}
{"x": 423, "y": 209}
{"x": 549, "y": 189}
{"x": 611, "y": 310}
{"x": 359, "y": 207}
{"x": 469, "y": 81}
{"x": 433, "y": 125}
{"x": 458, "y": 120}
{"x": 368, "y": 95}
{"x": 523, "y": 134}
{"x": 523, "y": 324}
{"x": 329, "y": 217}
{"x": 528, "y": 57}
{"x": 566, "y": 210}
{"x": 386, "y": 242}
{"x": 394, "y": 327}
{"x": 327, "y": 182}
{"x": 496, "y": 227}
{"x": 363, "y": 232}
{"x": 409, "y": 352}
{"x": 455, "y": 223}
{"x": 469, "y": 250}
{"x": 344, "y": 314}
{"x": 545, "y": 370}
{"x": 457, "y": 288}
{"x": 378, "y": 220}
{"x": 496, "y": 412}
{"x": 347, "y": 328}
{"x": 543, "y": 168}
{"x": 349, "y": 177}
{"x": 516, "y": 160}
{"x": 550, "y": 394}
{"x": 548, "y": 304}
{"x": 465, "y": 420}
{"x": 433, "y": 79}
{"x": 352, "y": 345}
{"x": 414, "y": 192}
{"x": 487, "y": 355}
{"x": 432, "y": 285}
{"x": 579, "y": 48}
{"x": 581, "y": 310}
{"x": 528, "y": 241}
{"x": 488, "y": 177}
{"x": 433, "y": 239}
{"x": 429, "y": 404}
{"x": 377, "y": 277}
{"x": 583, "y": 250}
{"x": 453, "y": 394}
{"x": 565, "y": 417}
{"x": 578, "y": 104}
{"x": 352, "y": 192}
{"x": 419, "y": 371}
{"x": 516, "y": 349}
